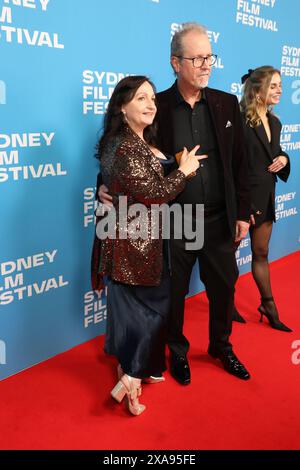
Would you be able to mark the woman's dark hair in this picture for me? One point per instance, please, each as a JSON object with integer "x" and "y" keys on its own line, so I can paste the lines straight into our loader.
{"x": 114, "y": 119}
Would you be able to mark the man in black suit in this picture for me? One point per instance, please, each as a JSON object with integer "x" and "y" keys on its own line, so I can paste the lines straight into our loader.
{"x": 188, "y": 114}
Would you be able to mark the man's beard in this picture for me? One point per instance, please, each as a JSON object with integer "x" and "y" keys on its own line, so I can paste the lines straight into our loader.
{"x": 203, "y": 84}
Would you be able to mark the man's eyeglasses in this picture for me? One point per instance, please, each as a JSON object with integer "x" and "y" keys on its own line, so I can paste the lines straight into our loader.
{"x": 199, "y": 61}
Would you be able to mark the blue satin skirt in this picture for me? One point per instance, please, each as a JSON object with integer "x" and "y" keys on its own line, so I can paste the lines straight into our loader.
{"x": 136, "y": 325}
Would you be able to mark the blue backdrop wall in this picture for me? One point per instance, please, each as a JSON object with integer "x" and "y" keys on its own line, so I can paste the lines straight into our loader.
{"x": 59, "y": 63}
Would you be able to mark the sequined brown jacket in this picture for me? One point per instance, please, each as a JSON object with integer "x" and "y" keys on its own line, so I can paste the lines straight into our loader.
{"x": 135, "y": 172}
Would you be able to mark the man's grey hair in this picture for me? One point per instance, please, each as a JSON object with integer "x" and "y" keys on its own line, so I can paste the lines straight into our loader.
{"x": 176, "y": 44}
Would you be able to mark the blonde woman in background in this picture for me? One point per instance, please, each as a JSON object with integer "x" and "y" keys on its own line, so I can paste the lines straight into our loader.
{"x": 267, "y": 162}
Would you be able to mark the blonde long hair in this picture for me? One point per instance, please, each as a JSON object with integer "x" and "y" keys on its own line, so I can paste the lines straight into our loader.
{"x": 257, "y": 83}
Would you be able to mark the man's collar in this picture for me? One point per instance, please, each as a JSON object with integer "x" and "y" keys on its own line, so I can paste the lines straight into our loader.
{"x": 178, "y": 98}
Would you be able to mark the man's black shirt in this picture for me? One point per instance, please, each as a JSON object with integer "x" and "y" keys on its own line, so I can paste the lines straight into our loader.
{"x": 193, "y": 126}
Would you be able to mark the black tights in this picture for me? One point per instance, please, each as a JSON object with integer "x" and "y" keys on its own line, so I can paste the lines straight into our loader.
{"x": 260, "y": 238}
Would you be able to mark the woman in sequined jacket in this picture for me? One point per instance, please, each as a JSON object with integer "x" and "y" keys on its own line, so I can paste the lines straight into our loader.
{"x": 128, "y": 246}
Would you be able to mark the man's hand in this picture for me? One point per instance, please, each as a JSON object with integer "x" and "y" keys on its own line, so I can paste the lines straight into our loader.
{"x": 241, "y": 230}
{"x": 104, "y": 197}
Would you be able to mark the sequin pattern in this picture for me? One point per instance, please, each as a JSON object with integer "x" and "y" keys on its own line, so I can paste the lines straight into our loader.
{"x": 137, "y": 174}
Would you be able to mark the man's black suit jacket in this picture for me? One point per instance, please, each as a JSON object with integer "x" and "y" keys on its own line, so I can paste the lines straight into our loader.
{"x": 227, "y": 122}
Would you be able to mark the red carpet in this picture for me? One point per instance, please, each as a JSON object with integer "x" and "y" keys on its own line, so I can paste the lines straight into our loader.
{"x": 64, "y": 403}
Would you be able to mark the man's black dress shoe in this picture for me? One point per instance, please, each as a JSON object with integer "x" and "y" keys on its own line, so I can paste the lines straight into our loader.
{"x": 237, "y": 317}
{"x": 231, "y": 364}
{"x": 180, "y": 369}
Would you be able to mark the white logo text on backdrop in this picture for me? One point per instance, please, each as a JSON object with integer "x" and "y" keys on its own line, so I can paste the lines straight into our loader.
{"x": 10, "y": 168}
{"x": 19, "y": 35}
{"x": 13, "y": 271}
{"x": 2, "y": 92}
{"x": 253, "y": 14}
{"x": 2, "y": 353}
{"x": 98, "y": 88}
